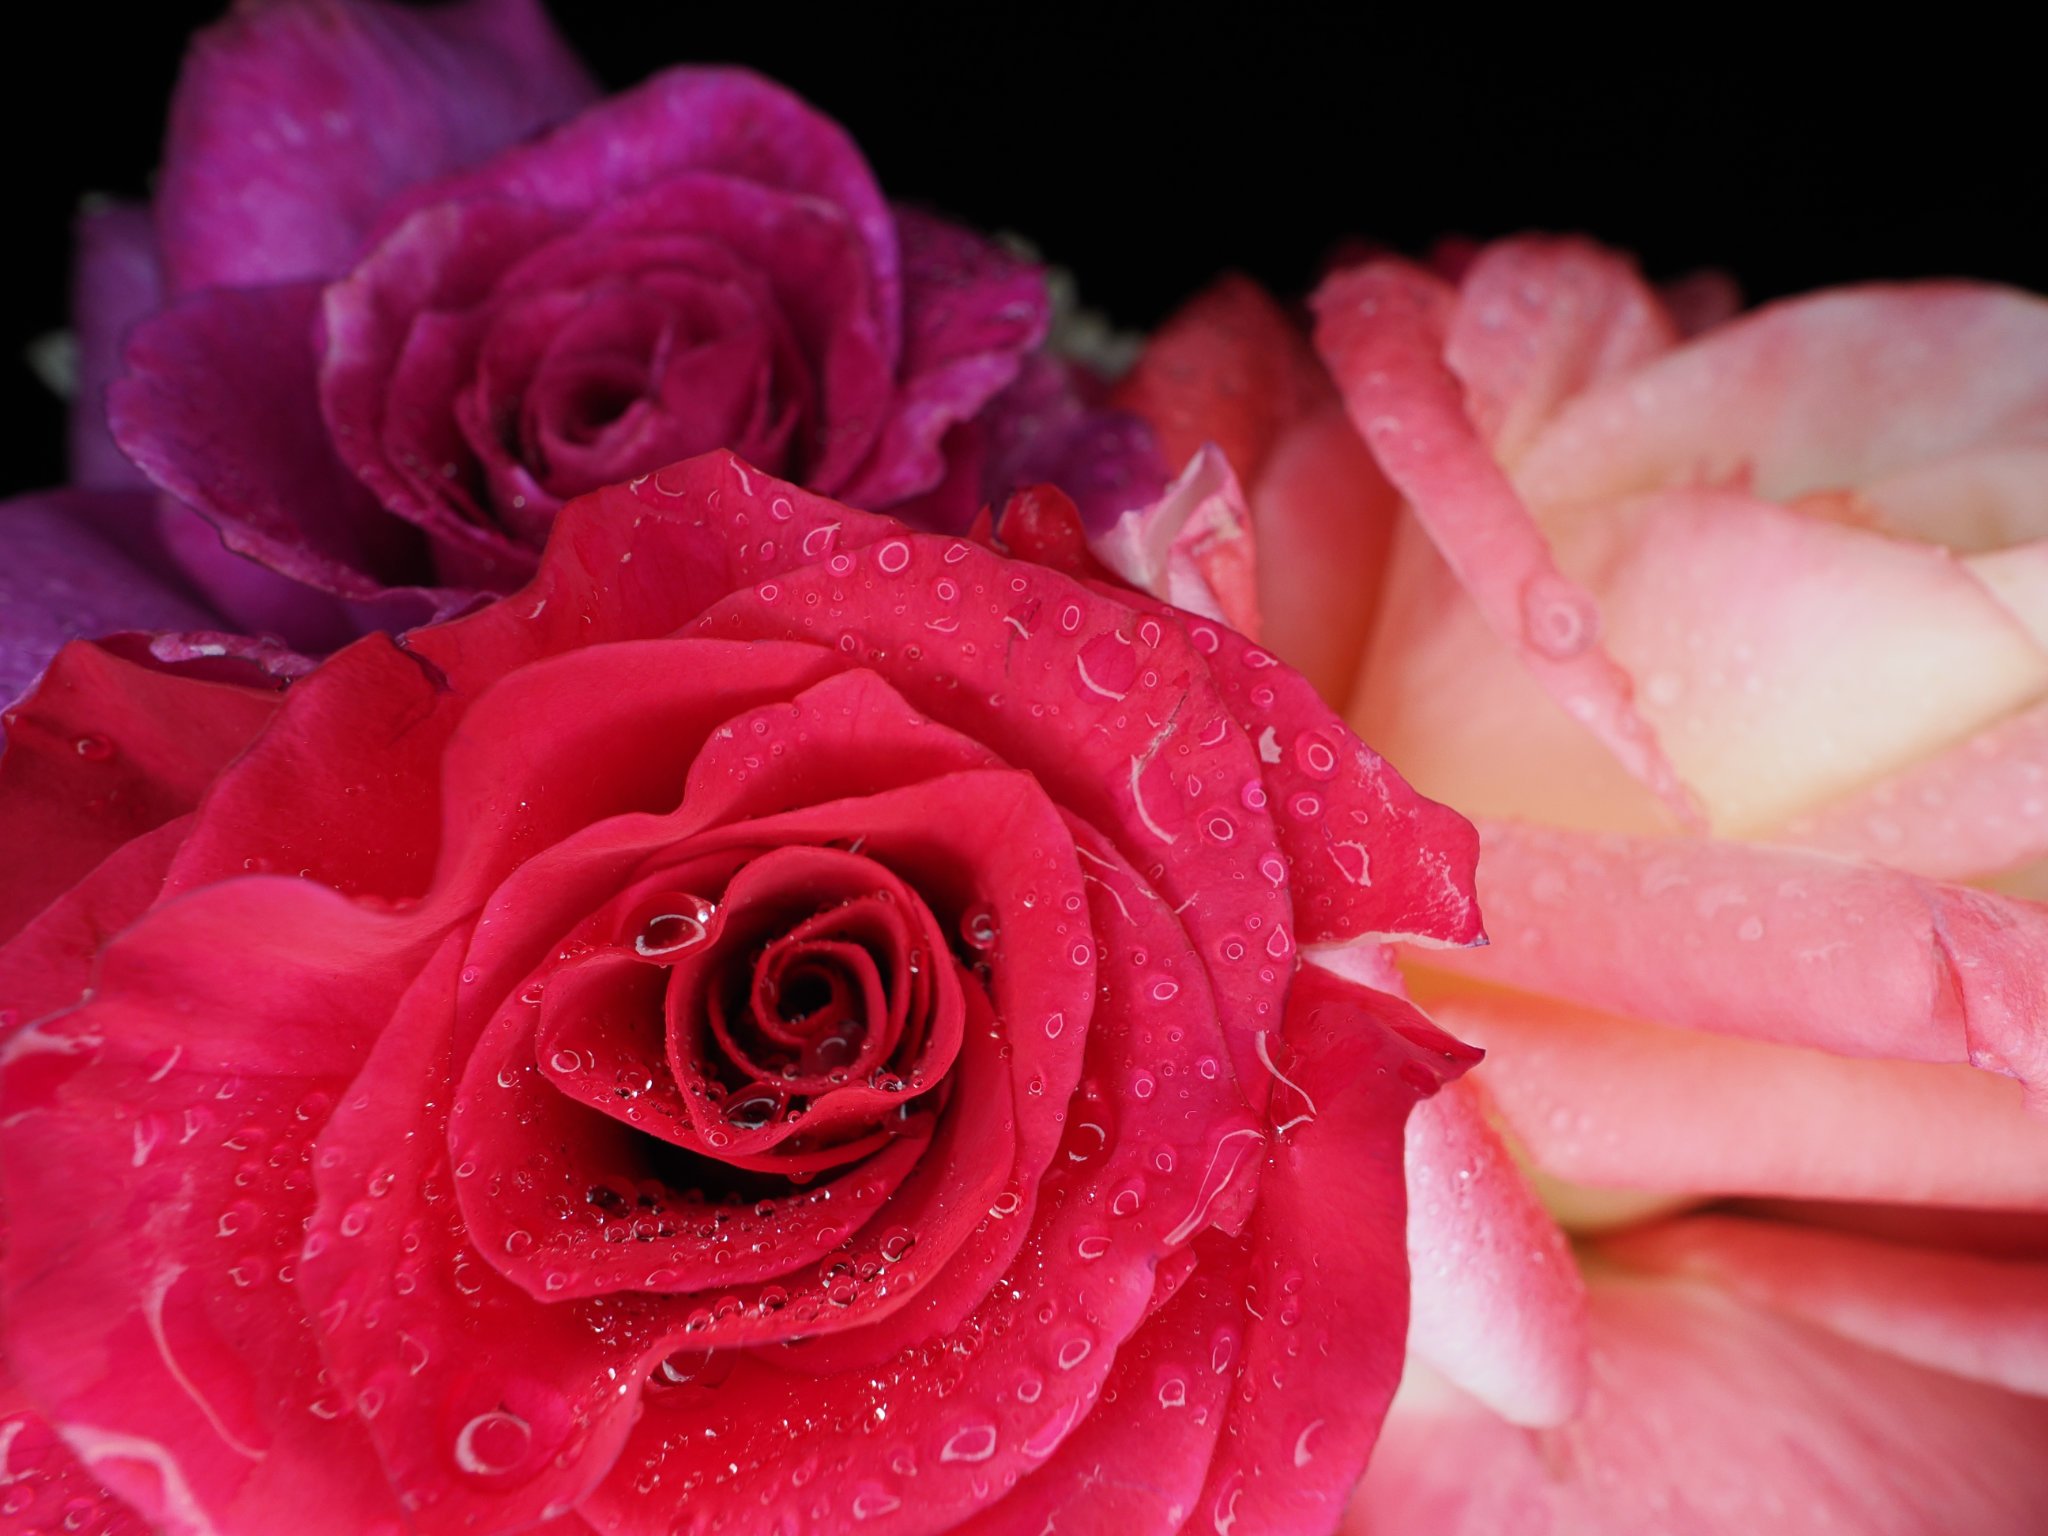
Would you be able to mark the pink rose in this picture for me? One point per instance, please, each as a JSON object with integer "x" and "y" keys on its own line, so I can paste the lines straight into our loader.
{"x": 786, "y": 1023}
{"x": 409, "y": 283}
{"x": 1734, "y": 641}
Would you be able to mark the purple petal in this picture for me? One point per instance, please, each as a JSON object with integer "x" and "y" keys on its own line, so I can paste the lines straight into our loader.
{"x": 114, "y": 283}
{"x": 60, "y": 579}
{"x": 296, "y": 122}
{"x": 1043, "y": 430}
{"x": 970, "y": 312}
{"x": 721, "y": 120}
{"x": 219, "y": 407}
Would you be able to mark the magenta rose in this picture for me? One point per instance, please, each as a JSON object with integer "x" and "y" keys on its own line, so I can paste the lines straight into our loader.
{"x": 784, "y": 1024}
{"x": 409, "y": 283}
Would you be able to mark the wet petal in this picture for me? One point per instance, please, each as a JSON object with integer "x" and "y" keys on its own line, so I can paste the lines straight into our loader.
{"x": 1775, "y": 944}
{"x": 163, "y": 1333}
{"x": 1326, "y": 1249}
{"x": 1497, "y": 1303}
{"x": 1981, "y": 1318}
{"x": 1712, "y": 1418}
{"x": 75, "y": 788}
{"x": 1381, "y": 329}
{"x": 1619, "y": 1104}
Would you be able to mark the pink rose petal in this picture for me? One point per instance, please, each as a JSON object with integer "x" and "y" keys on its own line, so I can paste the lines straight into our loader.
{"x": 1980, "y": 1318}
{"x": 1774, "y": 944}
{"x": 1381, "y": 329}
{"x": 1622, "y": 1105}
{"x": 1713, "y": 1419}
{"x": 1497, "y": 1303}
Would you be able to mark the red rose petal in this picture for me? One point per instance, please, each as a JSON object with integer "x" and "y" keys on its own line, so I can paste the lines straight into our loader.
{"x": 43, "y": 1485}
{"x": 160, "y": 1328}
{"x": 75, "y": 787}
{"x": 49, "y": 964}
{"x": 255, "y": 814}
{"x": 1138, "y": 1460}
{"x": 639, "y": 561}
{"x": 1326, "y": 1248}
{"x": 1231, "y": 369}
{"x": 626, "y": 720}
{"x": 836, "y": 1451}
{"x": 997, "y": 651}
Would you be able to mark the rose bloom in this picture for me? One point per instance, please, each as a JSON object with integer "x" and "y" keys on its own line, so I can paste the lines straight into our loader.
{"x": 783, "y": 1024}
{"x": 408, "y": 284}
{"x": 1729, "y": 630}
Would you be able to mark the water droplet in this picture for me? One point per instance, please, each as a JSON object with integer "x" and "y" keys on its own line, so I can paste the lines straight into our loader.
{"x": 492, "y": 1444}
{"x": 978, "y": 927}
{"x": 971, "y": 1442}
{"x": 1558, "y": 619}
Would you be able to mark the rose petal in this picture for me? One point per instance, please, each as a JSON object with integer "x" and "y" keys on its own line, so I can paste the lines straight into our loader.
{"x": 990, "y": 648}
{"x": 49, "y": 964}
{"x": 1381, "y": 330}
{"x": 218, "y": 407}
{"x": 1979, "y": 1318}
{"x": 1192, "y": 547}
{"x": 1324, "y": 519}
{"x": 252, "y": 595}
{"x": 114, "y": 283}
{"x": 641, "y": 711}
{"x": 1828, "y": 392}
{"x": 255, "y": 812}
{"x": 491, "y": 1409}
{"x": 45, "y": 1483}
{"x": 1978, "y": 500}
{"x": 1708, "y": 1417}
{"x": 1137, "y": 1461}
{"x": 727, "y": 122}
{"x": 1785, "y": 659}
{"x": 1045, "y": 429}
{"x": 1497, "y": 1303}
{"x": 394, "y": 430}
{"x": 1538, "y": 322}
{"x": 642, "y": 560}
{"x": 1368, "y": 857}
{"x": 970, "y": 310}
{"x": 1771, "y": 943}
{"x": 1326, "y": 1249}
{"x": 1439, "y": 690}
{"x": 155, "y": 1187}
{"x": 63, "y": 581}
{"x": 1045, "y": 1342}
{"x": 1231, "y": 369}
{"x": 74, "y": 789}
{"x": 1620, "y": 1104}
{"x": 1976, "y": 809}
{"x": 294, "y": 125}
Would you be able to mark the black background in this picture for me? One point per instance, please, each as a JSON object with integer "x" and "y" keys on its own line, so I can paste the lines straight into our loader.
{"x": 1149, "y": 146}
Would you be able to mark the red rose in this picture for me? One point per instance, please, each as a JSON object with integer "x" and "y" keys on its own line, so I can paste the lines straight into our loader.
{"x": 783, "y": 1024}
